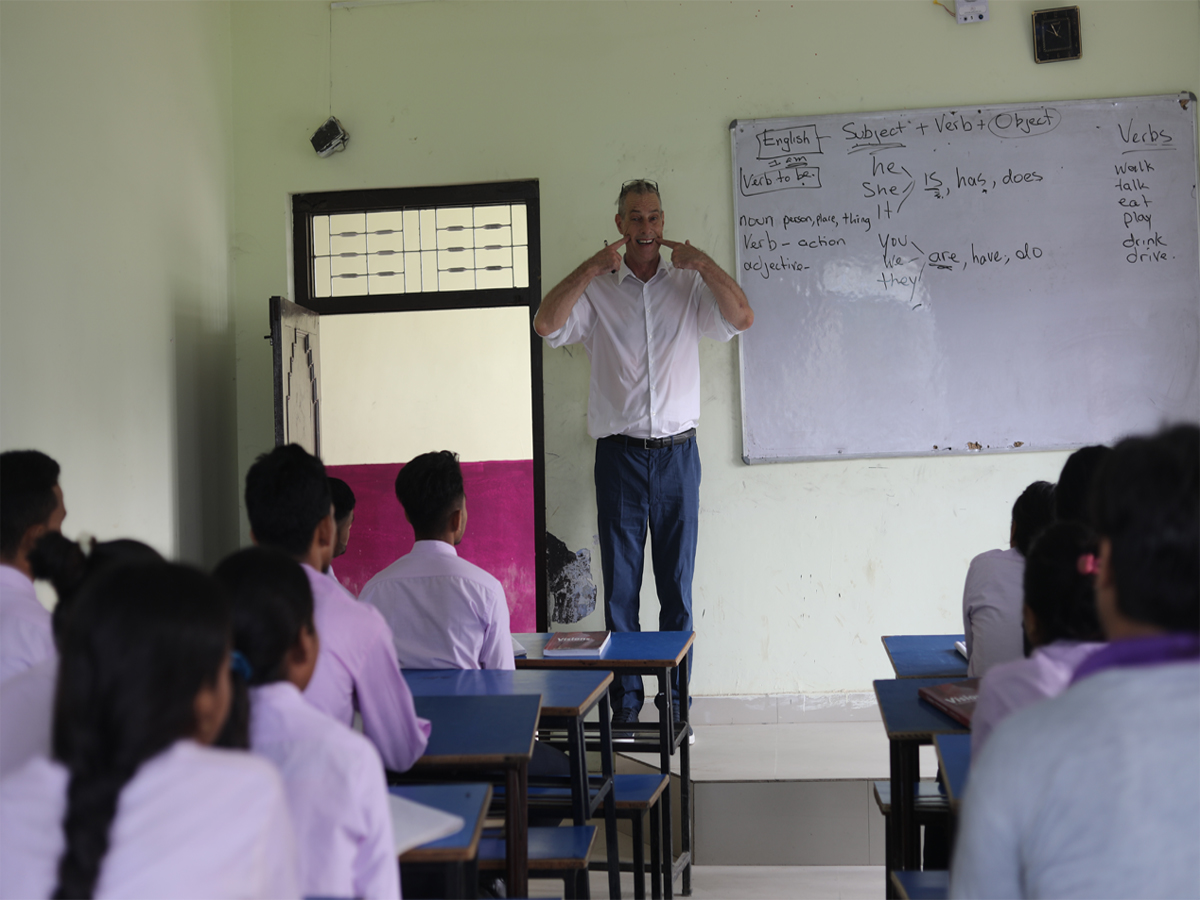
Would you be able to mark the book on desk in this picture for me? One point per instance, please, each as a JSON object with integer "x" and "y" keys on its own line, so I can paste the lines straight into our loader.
{"x": 577, "y": 643}
{"x": 956, "y": 698}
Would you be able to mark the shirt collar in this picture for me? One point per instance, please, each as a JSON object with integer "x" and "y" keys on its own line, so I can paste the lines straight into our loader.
{"x": 439, "y": 548}
{"x": 1140, "y": 652}
{"x": 664, "y": 264}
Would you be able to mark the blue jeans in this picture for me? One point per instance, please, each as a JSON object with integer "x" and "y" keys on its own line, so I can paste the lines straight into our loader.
{"x": 660, "y": 488}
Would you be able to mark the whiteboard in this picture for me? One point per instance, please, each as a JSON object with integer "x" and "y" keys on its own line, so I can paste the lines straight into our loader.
{"x": 977, "y": 279}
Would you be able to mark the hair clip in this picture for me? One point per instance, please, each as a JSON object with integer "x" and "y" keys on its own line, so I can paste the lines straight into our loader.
{"x": 239, "y": 665}
{"x": 1086, "y": 564}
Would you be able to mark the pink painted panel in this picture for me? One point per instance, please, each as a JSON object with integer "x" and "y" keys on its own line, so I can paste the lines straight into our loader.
{"x": 499, "y": 534}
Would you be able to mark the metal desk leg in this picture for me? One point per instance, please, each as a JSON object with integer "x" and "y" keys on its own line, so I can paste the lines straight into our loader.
{"x": 610, "y": 802}
{"x": 903, "y": 840}
{"x": 516, "y": 784}
{"x": 685, "y": 778}
{"x": 665, "y": 748}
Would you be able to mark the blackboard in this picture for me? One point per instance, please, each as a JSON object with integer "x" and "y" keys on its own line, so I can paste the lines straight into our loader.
{"x": 977, "y": 279}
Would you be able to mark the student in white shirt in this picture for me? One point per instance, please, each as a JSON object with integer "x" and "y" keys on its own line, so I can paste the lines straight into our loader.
{"x": 27, "y": 699}
{"x": 31, "y": 504}
{"x": 344, "y": 502}
{"x": 135, "y": 802}
{"x": 333, "y": 776}
{"x": 992, "y": 594}
{"x": 444, "y": 612}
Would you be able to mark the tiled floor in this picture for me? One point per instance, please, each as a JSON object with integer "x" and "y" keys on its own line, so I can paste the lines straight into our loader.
{"x": 755, "y": 883}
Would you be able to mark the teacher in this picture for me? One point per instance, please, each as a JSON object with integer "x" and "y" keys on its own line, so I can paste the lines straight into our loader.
{"x": 641, "y": 318}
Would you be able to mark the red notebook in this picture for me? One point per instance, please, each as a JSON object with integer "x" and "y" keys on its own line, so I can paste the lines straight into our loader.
{"x": 956, "y": 699}
{"x": 577, "y": 643}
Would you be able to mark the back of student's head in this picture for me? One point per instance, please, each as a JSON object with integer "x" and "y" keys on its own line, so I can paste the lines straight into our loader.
{"x": 1032, "y": 512}
{"x": 1147, "y": 504}
{"x": 27, "y": 480}
{"x": 343, "y": 498}
{"x": 430, "y": 488}
{"x": 68, "y": 564}
{"x": 287, "y": 496}
{"x": 1074, "y": 488}
{"x": 140, "y": 645}
{"x": 1060, "y": 583}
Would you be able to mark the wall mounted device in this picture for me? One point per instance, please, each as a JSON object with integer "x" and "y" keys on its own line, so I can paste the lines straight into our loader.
{"x": 329, "y": 138}
{"x": 1056, "y": 34}
{"x": 968, "y": 11}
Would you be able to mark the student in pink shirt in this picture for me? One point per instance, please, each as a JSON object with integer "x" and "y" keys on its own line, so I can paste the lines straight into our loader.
{"x": 1061, "y": 628}
{"x": 290, "y": 509}
{"x": 136, "y": 803}
{"x": 334, "y": 778}
{"x": 31, "y": 504}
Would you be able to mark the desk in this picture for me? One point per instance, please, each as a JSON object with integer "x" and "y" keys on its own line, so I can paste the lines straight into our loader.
{"x": 645, "y": 653}
{"x": 954, "y": 758}
{"x": 457, "y": 852}
{"x": 909, "y": 722}
{"x": 925, "y": 655}
{"x": 567, "y": 697}
{"x": 484, "y": 734}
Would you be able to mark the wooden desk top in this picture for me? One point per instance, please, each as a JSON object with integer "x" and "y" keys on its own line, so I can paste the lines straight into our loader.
{"x": 564, "y": 693}
{"x": 478, "y": 731}
{"x": 628, "y": 650}
{"x": 906, "y": 716}
{"x": 954, "y": 756}
{"x": 469, "y": 801}
{"x": 925, "y": 655}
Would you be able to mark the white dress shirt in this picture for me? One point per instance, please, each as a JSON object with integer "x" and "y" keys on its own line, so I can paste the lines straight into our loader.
{"x": 26, "y": 714}
{"x": 336, "y": 791}
{"x": 192, "y": 822}
{"x": 643, "y": 340}
{"x": 25, "y": 634}
{"x": 992, "y": 599}
{"x": 445, "y": 612}
{"x": 357, "y": 671}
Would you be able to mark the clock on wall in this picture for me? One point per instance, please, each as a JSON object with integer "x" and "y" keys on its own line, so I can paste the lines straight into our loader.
{"x": 1056, "y": 34}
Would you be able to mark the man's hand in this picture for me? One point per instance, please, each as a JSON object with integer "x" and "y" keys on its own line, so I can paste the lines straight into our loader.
{"x": 608, "y": 259}
{"x": 556, "y": 306}
{"x": 685, "y": 256}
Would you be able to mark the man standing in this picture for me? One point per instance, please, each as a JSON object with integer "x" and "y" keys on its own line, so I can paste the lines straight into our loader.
{"x": 641, "y": 318}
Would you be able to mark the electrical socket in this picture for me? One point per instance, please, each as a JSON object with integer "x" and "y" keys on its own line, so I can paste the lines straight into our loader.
{"x": 968, "y": 11}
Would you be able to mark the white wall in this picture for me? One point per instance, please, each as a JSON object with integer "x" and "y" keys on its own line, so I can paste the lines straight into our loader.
{"x": 116, "y": 355}
{"x": 801, "y": 566}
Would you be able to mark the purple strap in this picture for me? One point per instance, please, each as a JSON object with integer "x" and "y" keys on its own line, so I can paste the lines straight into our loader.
{"x": 1147, "y": 651}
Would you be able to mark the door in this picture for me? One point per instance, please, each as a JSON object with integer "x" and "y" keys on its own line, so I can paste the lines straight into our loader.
{"x": 296, "y": 355}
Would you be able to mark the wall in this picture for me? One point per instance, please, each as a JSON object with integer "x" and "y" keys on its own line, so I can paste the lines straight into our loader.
{"x": 116, "y": 353}
{"x": 801, "y": 566}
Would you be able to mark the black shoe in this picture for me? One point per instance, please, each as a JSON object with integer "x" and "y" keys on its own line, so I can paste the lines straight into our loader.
{"x": 620, "y": 720}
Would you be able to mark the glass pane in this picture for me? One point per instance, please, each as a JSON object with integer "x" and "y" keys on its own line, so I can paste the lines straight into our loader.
{"x": 455, "y": 217}
{"x": 456, "y": 259}
{"x": 393, "y": 242}
{"x": 349, "y": 286}
{"x": 520, "y": 267}
{"x": 388, "y": 220}
{"x": 320, "y": 238}
{"x": 500, "y": 256}
{"x": 429, "y": 270}
{"x": 412, "y": 229}
{"x": 412, "y": 273}
{"x": 491, "y": 215}
{"x": 429, "y": 230}
{"x": 500, "y": 236}
{"x": 457, "y": 280}
{"x": 348, "y": 223}
{"x": 347, "y": 265}
{"x": 493, "y": 278}
{"x": 386, "y": 283}
{"x": 321, "y": 276}
{"x": 449, "y": 238}
{"x": 518, "y": 224}
{"x": 388, "y": 262}
{"x": 342, "y": 243}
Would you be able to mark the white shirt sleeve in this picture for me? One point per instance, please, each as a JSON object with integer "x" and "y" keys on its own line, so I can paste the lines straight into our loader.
{"x": 376, "y": 872}
{"x": 579, "y": 324}
{"x": 497, "y": 650}
{"x": 710, "y": 320}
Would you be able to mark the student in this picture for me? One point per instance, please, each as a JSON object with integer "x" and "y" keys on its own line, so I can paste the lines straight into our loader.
{"x": 1060, "y": 626}
{"x": 1096, "y": 792}
{"x": 27, "y": 699}
{"x": 135, "y": 804}
{"x": 289, "y": 506}
{"x": 343, "y": 513}
{"x": 1075, "y": 483}
{"x": 336, "y": 788}
{"x": 992, "y": 593}
{"x": 31, "y": 504}
{"x": 445, "y": 612}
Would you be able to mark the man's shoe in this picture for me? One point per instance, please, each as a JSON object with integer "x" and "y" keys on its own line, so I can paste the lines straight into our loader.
{"x": 621, "y": 719}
